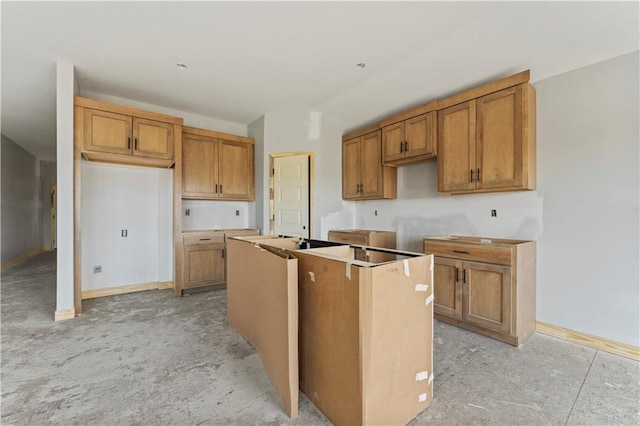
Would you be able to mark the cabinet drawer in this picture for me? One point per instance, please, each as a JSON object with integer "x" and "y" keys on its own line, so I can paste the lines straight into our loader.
{"x": 474, "y": 252}
{"x": 204, "y": 238}
{"x": 348, "y": 238}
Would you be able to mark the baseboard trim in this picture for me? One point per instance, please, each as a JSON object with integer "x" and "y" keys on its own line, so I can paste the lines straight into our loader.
{"x": 594, "y": 342}
{"x": 165, "y": 285}
{"x": 22, "y": 258}
{"x": 112, "y": 291}
{"x": 64, "y": 314}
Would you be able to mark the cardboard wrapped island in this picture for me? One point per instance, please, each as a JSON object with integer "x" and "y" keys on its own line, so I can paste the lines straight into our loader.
{"x": 355, "y": 337}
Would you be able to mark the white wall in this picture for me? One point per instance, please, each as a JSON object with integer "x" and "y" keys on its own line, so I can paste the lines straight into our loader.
{"x": 21, "y": 201}
{"x": 133, "y": 198}
{"x": 584, "y": 214}
{"x": 292, "y": 132}
{"x": 588, "y": 137}
{"x": 66, "y": 88}
{"x": 256, "y": 131}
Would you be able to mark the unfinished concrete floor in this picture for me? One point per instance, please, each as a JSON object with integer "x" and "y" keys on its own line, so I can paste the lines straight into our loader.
{"x": 152, "y": 359}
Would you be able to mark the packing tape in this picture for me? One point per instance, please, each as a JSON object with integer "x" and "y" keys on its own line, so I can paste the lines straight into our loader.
{"x": 421, "y": 287}
{"x": 422, "y": 397}
{"x": 430, "y": 379}
{"x": 423, "y": 375}
{"x": 312, "y": 277}
{"x": 349, "y": 271}
{"x": 428, "y": 300}
{"x": 406, "y": 267}
{"x": 431, "y": 266}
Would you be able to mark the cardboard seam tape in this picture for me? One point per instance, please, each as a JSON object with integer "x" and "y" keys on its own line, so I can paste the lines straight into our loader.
{"x": 428, "y": 300}
{"x": 422, "y": 287}
{"x": 423, "y": 375}
{"x": 406, "y": 267}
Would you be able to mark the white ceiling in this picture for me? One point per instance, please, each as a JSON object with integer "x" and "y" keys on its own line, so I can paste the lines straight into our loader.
{"x": 247, "y": 59}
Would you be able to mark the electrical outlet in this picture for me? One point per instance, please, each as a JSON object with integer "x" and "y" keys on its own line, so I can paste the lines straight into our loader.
{"x": 123, "y": 233}
{"x": 237, "y": 212}
{"x": 97, "y": 269}
{"x": 187, "y": 212}
{"x": 494, "y": 213}
{"x": 375, "y": 212}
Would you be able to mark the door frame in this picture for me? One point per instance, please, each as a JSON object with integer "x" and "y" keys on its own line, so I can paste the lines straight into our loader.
{"x": 272, "y": 157}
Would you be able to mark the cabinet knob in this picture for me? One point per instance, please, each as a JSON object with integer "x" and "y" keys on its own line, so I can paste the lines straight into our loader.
{"x": 470, "y": 175}
{"x": 478, "y": 175}
{"x": 401, "y": 146}
{"x": 406, "y": 146}
{"x": 135, "y": 144}
{"x": 128, "y": 143}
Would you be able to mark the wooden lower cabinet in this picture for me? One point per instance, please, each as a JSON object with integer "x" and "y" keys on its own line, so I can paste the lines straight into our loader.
{"x": 486, "y": 287}
{"x": 205, "y": 260}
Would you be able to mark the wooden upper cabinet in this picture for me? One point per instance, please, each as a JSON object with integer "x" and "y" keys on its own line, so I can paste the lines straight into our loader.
{"x": 117, "y": 134}
{"x": 363, "y": 175}
{"x": 235, "y": 170}
{"x": 410, "y": 141}
{"x": 488, "y": 144}
{"x": 217, "y": 168}
{"x": 107, "y": 132}
{"x": 152, "y": 138}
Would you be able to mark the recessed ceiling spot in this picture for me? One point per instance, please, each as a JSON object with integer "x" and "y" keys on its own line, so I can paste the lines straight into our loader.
{"x": 182, "y": 66}
{"x": 360, "y": 65}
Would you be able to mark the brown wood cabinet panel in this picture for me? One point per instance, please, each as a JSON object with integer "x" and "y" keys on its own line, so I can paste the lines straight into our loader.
{"x": 370, "y": 166}
{"x": 410, "y": 141}
{"x": 199, "y": 166}
{"x": 215, "y": 168}
{"x": 457, "y": 147}
{"x": 235, "y": 170}
{"x": 447, "y": 290}
{"x": 495, "y": 296}
{"x": 487, "y": 291}
{"x": 367, "y": 237}
{"x": 204, "y": 265}
{"x": 500, "y": 156}
{"x": 488, "y": 144}
{"x": 152, "y": 138}
{"x": 363, "y": 175}
{"x": 107, "y": 132}
{"x": 351, "y": 169}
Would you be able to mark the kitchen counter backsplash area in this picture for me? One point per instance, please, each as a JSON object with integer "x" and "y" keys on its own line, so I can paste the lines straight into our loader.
{"x": 209, "y": 215}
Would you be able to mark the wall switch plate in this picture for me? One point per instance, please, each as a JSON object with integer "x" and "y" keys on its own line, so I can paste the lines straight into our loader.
{"x": 97, "y": 269}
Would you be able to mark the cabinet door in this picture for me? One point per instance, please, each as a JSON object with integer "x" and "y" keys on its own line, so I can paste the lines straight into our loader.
{"x": 371, "y": 166}
{"x": 235, "y": 170}
{"x": 393, "y": 139}
{"x": 203, "y": 265}
{"x": 500, "y": 139}
{"x": 152, "y": 139}
{"x": 199, "y": 166}
{"x": 457, "y": 147}
{"x": 421, "y": 135}
{"x": 487, "y": 295}
{"x": 107, "y": 132}
{"x": 447, "y": 287}
{"x": 351, "y": 169}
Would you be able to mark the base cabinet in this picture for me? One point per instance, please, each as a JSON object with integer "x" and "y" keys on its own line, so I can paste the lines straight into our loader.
{"x": 205, "y": 260}
{"x": 367, "y": 237}
{"x": 485, "y": 285}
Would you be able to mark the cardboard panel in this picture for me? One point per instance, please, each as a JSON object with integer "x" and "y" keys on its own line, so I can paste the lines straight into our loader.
{"x": 262, "y": 306}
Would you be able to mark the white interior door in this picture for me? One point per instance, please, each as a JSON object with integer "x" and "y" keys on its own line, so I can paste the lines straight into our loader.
{"x": 291, "y": 195}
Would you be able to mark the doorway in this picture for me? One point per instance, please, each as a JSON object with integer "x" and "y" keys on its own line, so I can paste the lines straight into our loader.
{"x": 290, "y": 194}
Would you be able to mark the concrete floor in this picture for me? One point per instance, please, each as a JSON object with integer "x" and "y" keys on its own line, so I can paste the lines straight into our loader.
{"x": 150, "y": 358}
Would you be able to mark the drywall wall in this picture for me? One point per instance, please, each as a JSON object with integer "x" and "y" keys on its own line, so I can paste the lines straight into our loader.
{"x": 584, "y": 214}
{"x": 308, "y": 131}
{"x": 256, "y": 131}
{"x": 48, "y": 177}
{"x": 21, "y": 220}
{"x": 588, "y": 138}
{"x": 66, "y": 88}
{"x": 116, "y": 198}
